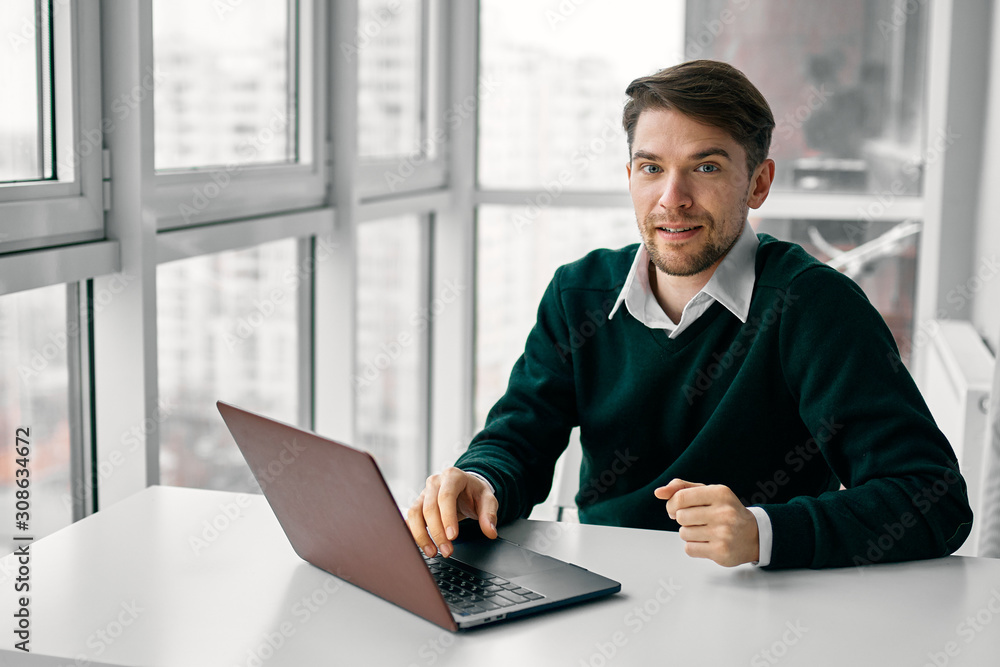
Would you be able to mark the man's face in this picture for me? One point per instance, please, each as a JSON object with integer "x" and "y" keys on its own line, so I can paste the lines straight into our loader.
{"x": 691, "y": 190}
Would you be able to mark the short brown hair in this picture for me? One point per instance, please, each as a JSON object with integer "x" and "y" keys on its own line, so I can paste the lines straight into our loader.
{"x": 710, "y": 92}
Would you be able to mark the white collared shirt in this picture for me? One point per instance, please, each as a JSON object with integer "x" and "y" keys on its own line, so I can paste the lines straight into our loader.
{"x": 732, "y": 286}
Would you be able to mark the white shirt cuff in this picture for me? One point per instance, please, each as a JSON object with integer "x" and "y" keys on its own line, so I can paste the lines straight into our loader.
{"x": 490, "y": 486}
{"x": 764, "y": 535}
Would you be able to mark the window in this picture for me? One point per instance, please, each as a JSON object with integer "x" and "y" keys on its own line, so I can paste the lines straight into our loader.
{"x": 844, "y": 81}
{"x": 34, "y": 394}
{"x": 517, "y": 257}
{"x": 26, "y": 116}
{"x": 390, "y": 77}
{"x": 239, "y": 128}
{"x": 884, "y": 261}
{"x": 51, "y": 130}
{"x": 227, "y": 329}
{"x": 225, "y": 89}
{"x": 550, "y": 108}
{"x": 393, "y": 324}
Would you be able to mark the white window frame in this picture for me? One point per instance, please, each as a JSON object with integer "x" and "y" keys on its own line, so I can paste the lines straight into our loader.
{"x": 191, "y": 197}
{"x": 70, "y": 209}
{"x": 420, "y": 173}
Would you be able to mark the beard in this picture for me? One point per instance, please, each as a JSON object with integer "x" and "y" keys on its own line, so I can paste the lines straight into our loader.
{"x": 677, "y": 262}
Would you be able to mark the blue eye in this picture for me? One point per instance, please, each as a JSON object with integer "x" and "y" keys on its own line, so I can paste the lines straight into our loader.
{"x": 646, "y": 168}
{"x": 703, "y": 167}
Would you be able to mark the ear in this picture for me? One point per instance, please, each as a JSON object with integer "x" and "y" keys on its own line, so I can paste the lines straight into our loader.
{"x": 760, "y": 185}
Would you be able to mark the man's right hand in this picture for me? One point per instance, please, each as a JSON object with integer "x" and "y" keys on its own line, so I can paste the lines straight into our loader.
{"x": 433, "y": 517}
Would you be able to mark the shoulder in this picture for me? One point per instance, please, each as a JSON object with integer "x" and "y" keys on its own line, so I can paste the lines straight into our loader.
{"x": 599, "y": 270}
{"x": 785, "y": 266}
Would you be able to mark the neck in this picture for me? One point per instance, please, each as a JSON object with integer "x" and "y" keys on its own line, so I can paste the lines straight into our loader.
{"x": 674, "y": 292}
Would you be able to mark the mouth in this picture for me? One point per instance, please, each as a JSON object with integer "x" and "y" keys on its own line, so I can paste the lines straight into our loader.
{"x": 673, "y": 233}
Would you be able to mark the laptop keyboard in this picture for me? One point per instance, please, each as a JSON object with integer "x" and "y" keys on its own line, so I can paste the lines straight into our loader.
{"x": 470, "y": 593}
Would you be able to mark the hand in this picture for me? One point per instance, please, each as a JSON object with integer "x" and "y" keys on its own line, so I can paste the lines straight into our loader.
{"x": 714, "y": 523}
{"x": 436, "y": 509}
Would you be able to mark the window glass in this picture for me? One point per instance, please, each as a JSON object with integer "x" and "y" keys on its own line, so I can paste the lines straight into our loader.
{"x": 552, "y": 86}
{"x": 879, "y": 255}
{"x": 26, "y": 79}
{"x": 844, "y": 81}
{"x": 34, "y": 394}
{"x": 392, "y": 327}
{"x": 226, "y": 329}
{"x": 519, "y": 250}
{"x": 224, "y": 83}
{"x": 390, "y": 77}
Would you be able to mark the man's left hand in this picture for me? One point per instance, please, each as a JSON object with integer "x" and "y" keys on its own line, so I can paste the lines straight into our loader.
{"x": 714, "y": 523}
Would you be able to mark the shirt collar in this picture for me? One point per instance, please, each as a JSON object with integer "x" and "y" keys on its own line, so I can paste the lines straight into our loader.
{"x": 731, "y": 284}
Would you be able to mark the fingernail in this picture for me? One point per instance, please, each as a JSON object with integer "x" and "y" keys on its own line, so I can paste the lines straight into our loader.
{"x": 445, "y": 550}
{"x": 494, "y": 527}
{"x": 450, "y": 532}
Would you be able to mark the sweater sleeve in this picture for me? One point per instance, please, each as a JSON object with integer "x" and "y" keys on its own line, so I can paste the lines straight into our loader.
{"x": 904, "y": 498}
{"x": 529, "y": 426}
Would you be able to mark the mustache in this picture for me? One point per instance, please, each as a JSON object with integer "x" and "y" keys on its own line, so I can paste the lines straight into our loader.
{"x": 674, "y": 219}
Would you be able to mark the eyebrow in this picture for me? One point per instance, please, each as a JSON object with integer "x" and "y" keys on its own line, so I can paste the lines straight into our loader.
{"x": 700, "y": 155}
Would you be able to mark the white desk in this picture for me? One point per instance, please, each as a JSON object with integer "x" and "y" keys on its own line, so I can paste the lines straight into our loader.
{"x": 135, "y": 562}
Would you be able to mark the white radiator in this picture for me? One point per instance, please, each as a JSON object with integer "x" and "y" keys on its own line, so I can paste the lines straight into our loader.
{"x": 957, "y": 377}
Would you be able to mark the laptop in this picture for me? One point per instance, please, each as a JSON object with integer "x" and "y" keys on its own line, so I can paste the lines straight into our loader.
{"x": 338, "y": 514}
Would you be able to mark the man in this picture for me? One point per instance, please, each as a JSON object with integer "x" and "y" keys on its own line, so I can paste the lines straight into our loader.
{"x": 710, "y": 368}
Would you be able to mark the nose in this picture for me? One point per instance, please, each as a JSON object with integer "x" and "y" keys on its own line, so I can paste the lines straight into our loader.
{"x": 676, "y": 192}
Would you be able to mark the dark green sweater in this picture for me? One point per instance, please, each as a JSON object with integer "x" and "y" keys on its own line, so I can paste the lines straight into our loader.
{"x": 808, "y": 393}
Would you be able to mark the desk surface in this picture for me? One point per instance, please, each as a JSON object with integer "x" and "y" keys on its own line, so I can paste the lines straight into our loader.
{"x": 187, "y": 577}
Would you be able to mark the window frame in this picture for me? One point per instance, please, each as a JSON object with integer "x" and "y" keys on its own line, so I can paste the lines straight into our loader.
{"x": 426, "y": 173}
{"x": 259, "y": 190}
{"x": 69, "y": 209}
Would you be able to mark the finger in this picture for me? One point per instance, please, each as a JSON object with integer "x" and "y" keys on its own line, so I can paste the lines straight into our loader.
{"x": 418, "y": 528}
{"x": 432, "y": 513}
{"x": 695, "y": 534}
{"x": 690, "y": 496}
{"x": 488, "y": 506}
{"x": 453, "y": 482}
{"x": 693, "y": 516}
{"x": 675, "y": 485}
